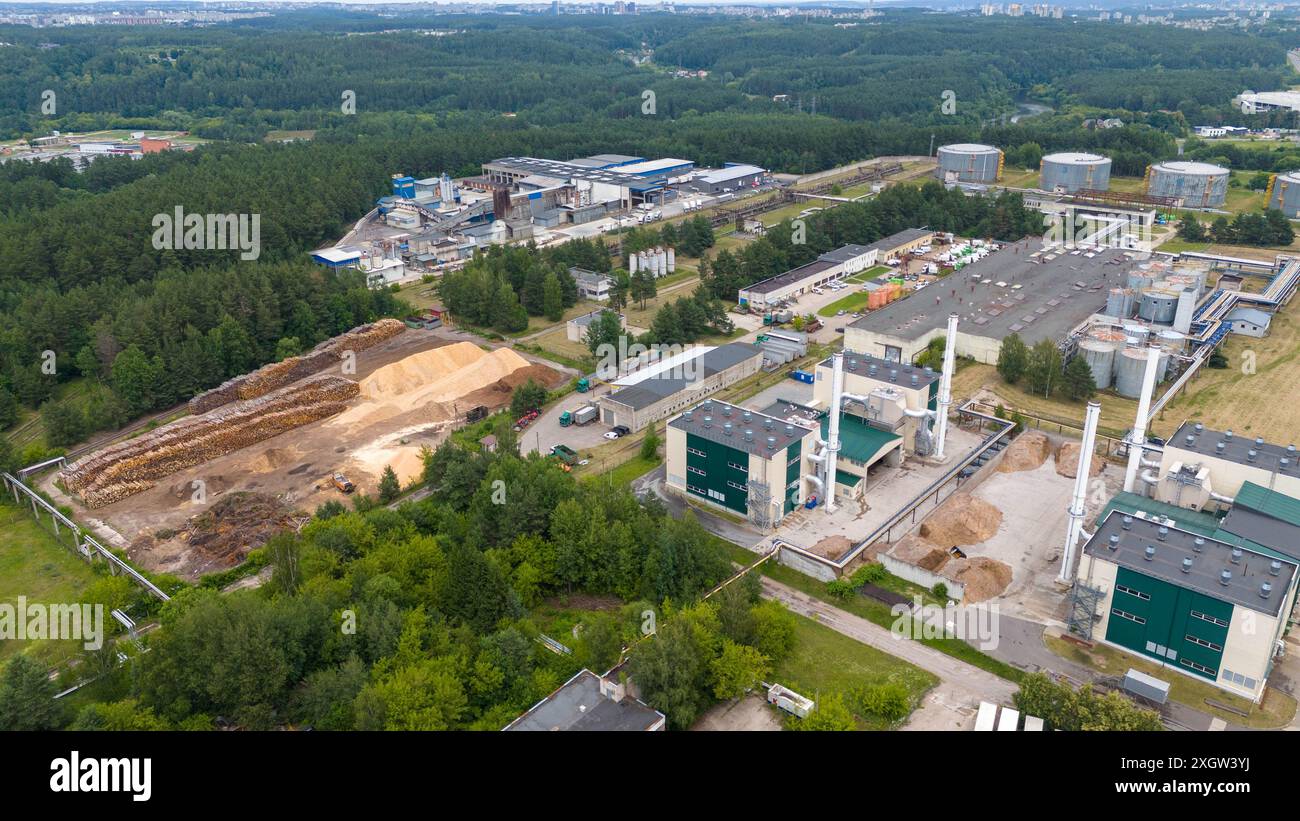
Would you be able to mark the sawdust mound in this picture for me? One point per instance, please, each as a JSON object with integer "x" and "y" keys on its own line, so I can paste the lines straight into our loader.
{"x": 440, "y": 375}
{"x": 962, "y": 520}
{"x": 983, "y": 578}
{"x": 224, "y": 534}
{"x": 1067, "y": 461}
{"x": 920, "y": 552}
{"x": 1030, "y": 450}
{"x": 832, "y": 547}
{"x": 421, "y": 369}
{"x": 272, "y": 458}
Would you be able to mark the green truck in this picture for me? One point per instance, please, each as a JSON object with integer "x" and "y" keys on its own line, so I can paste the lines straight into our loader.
{"x": 566, "y": 454}
{"x": 581, "y": 416}
{"x": 584, "y": 385}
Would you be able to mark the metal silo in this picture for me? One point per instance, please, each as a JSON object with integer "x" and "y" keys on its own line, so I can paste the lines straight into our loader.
{"x": 1098, "y": 349}
{"x": 1130, "y": 364}
{"x": 1069, "y": 171}
{"x": 1119, "y": 303}
{"x": 1284, "y": 193}
{"x": 1198, "y": 184}
{"x": 672, "y": 260}
{"x": 631, "y": 263}
{"x": 969, "y": 162}
{"x": 1159, "y": 303}
{"x": 1137, "y": 334}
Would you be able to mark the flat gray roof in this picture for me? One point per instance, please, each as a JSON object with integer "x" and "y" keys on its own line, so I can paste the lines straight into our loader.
{"x": 709, "y": 420}
{"x": 1262, "y": 529}
{"x": 1209, "y": 559}
{"x": 579, "y": 705}
{"x": 1054, "y": 295}
{"x": 845, "y": 253}
{"x": 892, "y": 241}
{"x": 1237, "y": 448}
{"x": 654, "y": 389}
{"x": 790, "y": 277}
{"x": 860, "y": 364}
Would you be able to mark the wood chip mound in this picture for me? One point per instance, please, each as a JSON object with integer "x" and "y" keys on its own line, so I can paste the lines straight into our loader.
{"x": 961, "y": 520}
{"x": 983, "y": 578}
{"x": 920, "y": 552}
{"x": 832, "y": 547}
{"x": 1067, "y": 461}
{"x": 1030, "y": 450}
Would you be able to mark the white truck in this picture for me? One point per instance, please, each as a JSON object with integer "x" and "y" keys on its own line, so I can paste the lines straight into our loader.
{"x": 790, "y": 701}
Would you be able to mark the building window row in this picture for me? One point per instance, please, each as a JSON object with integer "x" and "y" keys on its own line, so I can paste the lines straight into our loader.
{"x": 735, "y": 485}
{"x": 696, "y": 452}
{"x": 1194, "y": 640}
{"x": 1198, "y": 667}
{"x": 1237, "y": 678}
{"x": 735, "y": 466}
{"x": 1210, "y": 619}
{"x": 690, "y": 469}
{"x": 1138, "y": 593}
{"x": 1129, "y": 616}
{"x": 793, "y": 461}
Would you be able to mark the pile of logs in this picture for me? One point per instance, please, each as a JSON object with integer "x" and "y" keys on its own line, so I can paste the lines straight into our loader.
{"x": 129, "y": 467}
{"x": 278, "y": 374}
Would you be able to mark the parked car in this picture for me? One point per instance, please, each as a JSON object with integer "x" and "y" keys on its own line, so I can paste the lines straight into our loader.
{"x": 621, "y": 430}
{"x": 609, "y": 434}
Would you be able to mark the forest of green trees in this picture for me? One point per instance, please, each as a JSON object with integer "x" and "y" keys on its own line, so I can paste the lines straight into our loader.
{"x": 427, "y": 617}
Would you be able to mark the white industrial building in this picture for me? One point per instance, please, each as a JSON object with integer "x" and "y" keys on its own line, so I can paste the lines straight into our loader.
{"x": 1262, "y": 102}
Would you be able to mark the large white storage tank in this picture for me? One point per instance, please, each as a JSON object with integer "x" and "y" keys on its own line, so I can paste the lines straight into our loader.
{"x": 969, "y": 162}
{"x": 1099, "y": 349}
{"x": 1130, "y": 367}
{"x": 1070, "y": 171}
{"x": 1199, "y": 184}
{"x": 1284, "y": 194}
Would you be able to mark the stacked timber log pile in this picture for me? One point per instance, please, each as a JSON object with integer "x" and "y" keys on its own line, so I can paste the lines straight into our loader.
{"x": 129, "y": 467}
{"x": 278, "y": 374}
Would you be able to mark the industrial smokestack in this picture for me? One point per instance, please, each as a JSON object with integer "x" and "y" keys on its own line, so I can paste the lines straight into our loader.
{"x": 1138, "y": 438}
{"x": 945, "y": 384}
{"x": 1075, "y": 511}
{"x": 833, "y": 434}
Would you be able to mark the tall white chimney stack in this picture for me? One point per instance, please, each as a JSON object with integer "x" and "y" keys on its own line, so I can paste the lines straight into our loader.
{"x": 1076, "y": 509}
{"x": 945, "y": 385}
{"x": 833, "y": 434}
{"x": 1138, "y": 438}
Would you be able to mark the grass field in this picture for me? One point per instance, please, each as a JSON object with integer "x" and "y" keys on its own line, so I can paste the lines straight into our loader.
{"x": 33, "y": 565}
{"x": 558, "y": 342}
{"x": 847, "y": 304}
{"x": 876, "y": 612}
{"x": 1276, "y": 710}
{"x": 826, "y": 663}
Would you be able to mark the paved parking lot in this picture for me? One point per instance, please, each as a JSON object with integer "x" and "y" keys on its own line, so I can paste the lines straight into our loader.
{"x": 545, "y": 432}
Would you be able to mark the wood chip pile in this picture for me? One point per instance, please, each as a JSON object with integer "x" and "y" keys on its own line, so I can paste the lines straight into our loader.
{"x": 129, "y": 467}
{"x": 278, "y": 374}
